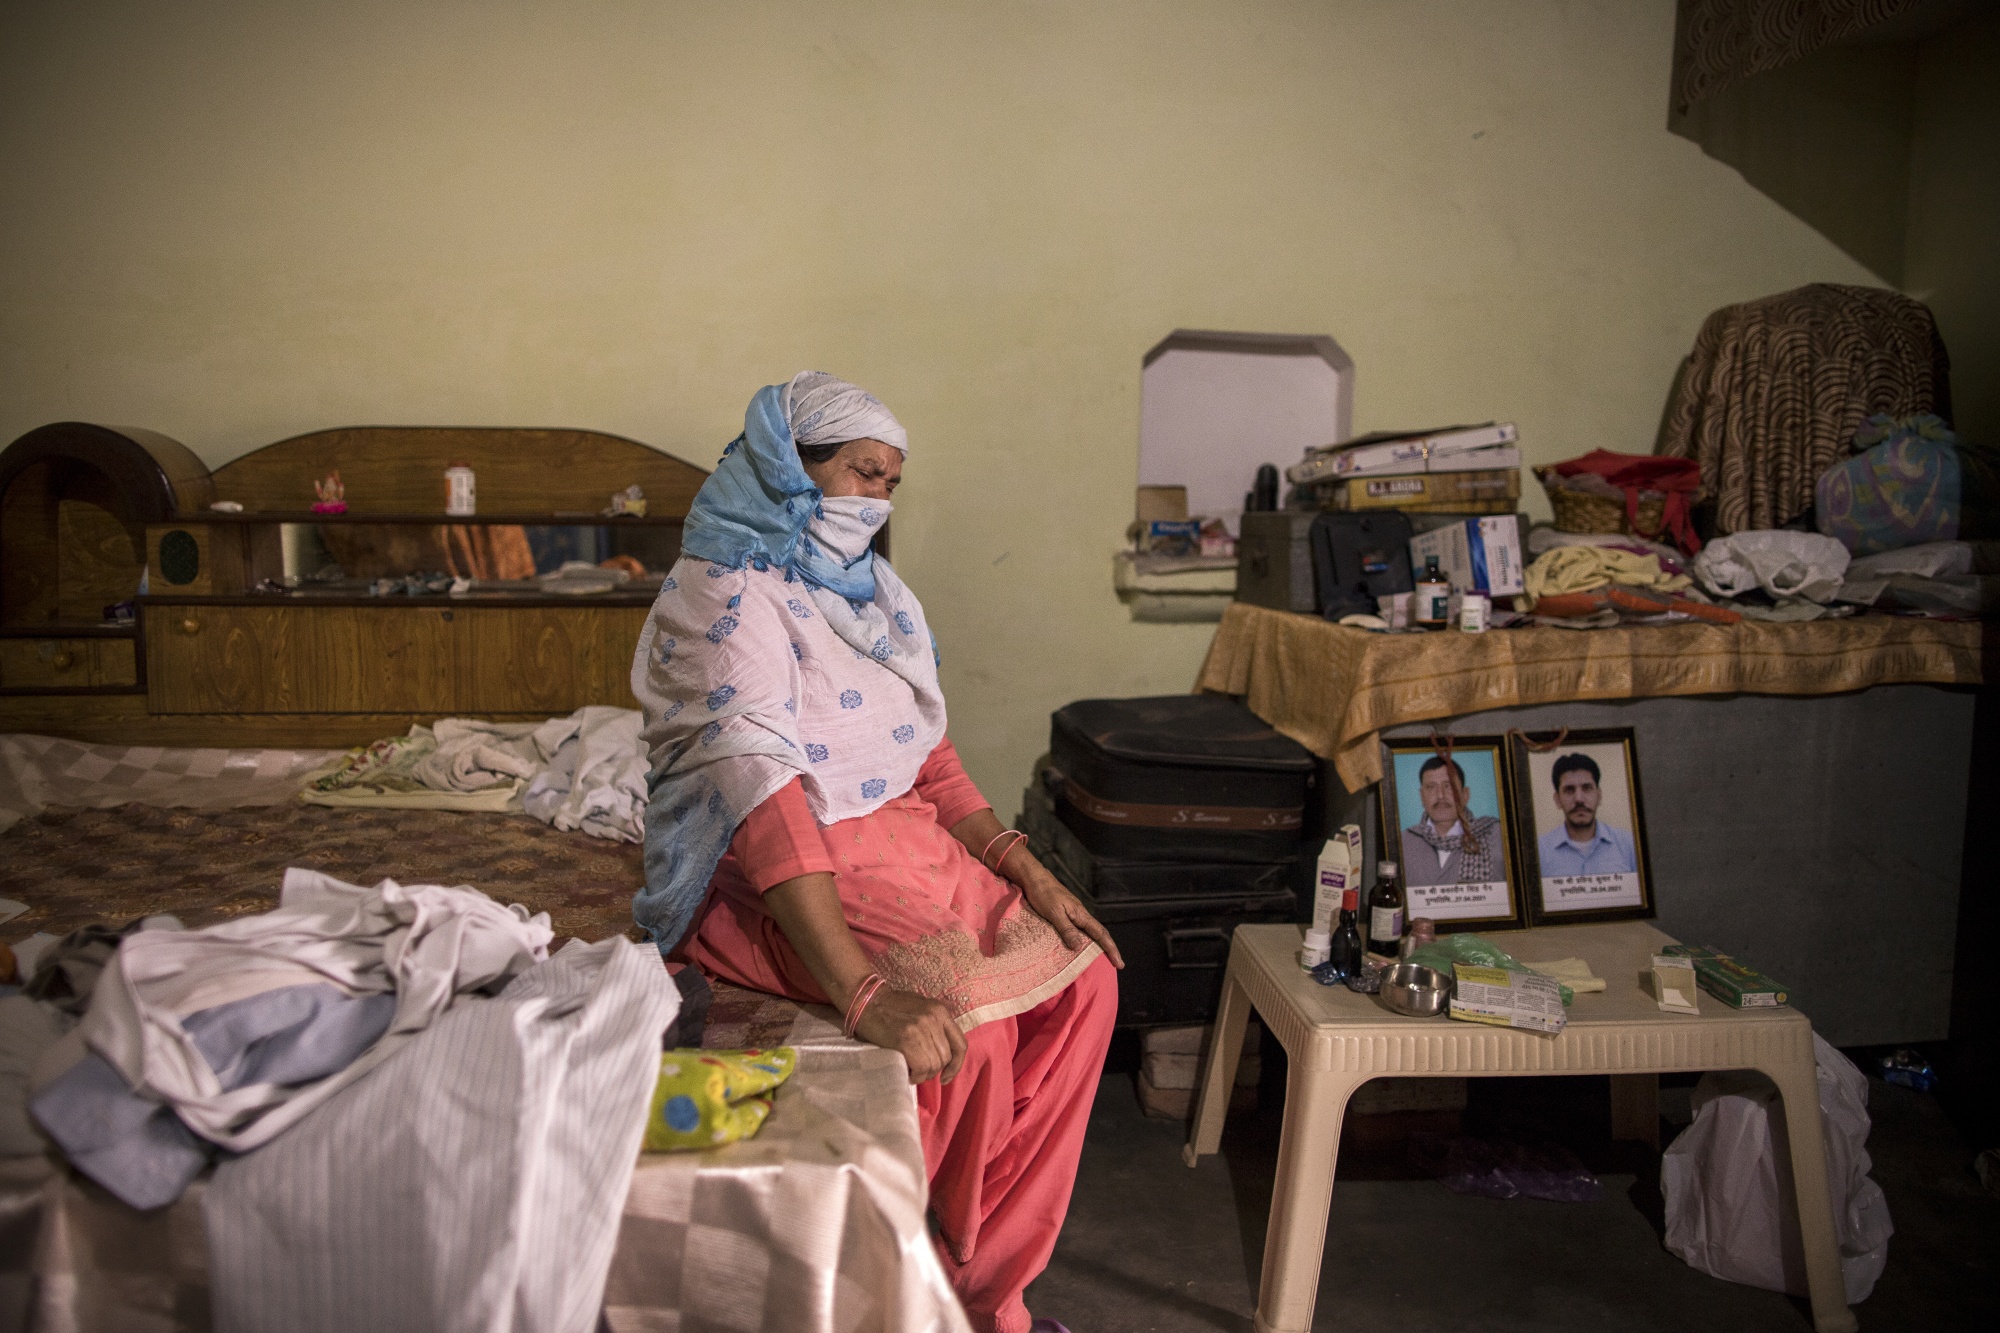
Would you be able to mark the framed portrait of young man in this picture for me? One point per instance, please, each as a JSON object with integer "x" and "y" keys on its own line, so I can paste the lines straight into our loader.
{"x": 1581, "y": 827}
{"x": 1449, "y": 822}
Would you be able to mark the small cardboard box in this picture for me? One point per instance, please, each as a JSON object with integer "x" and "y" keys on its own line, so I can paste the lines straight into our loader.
{"x": 1162, "y": 504}
{"x": 1438, "y": 490}
{"x": 1729, "y": 981}
{"x": 1479, "y": 555}
{"x": 1178, "y": 1103}
{"x": 1526, "y": 1000}
{"x": 1674, "y": 985}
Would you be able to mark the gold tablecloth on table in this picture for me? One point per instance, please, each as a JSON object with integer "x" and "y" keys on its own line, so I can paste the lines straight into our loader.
{"x": 1333, "y": 688}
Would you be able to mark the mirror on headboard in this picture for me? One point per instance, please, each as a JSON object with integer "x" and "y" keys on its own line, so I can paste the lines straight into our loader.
{"x": 488, "y": 552}
{"x": 540, "y": 501}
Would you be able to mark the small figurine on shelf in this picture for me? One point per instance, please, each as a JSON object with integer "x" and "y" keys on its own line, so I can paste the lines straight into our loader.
{"x": 628, "y": 503}
{"x": 332, "y": 495}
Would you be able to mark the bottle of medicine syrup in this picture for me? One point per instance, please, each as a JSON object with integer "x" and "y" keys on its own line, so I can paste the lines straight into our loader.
{"x": 1432, "y": 605}
{"x": 1385, "y": 912}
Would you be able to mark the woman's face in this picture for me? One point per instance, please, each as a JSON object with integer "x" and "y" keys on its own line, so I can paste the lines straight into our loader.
{"x": 867, "y": 468}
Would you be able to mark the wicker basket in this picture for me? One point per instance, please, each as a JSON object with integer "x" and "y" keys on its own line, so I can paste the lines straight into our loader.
{"x": 1581, "y": 511}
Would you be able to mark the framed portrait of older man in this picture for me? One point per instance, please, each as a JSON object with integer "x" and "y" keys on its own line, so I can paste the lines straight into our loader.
{"x": 1582, "y": 829}
{"x": 1449, "y": 821}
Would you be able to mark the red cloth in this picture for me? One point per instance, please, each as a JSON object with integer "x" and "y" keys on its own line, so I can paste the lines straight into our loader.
{"x": 1676, "y": 478}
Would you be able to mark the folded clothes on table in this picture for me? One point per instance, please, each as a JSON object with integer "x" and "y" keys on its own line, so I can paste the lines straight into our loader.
{"x": 1613, "y": 602}
{"x": 1584, "y": 587}
{"x": 1569, "y": 569}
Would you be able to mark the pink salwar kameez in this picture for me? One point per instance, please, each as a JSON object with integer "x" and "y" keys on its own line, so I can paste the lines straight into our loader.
{"x": 1001, "y": 1140}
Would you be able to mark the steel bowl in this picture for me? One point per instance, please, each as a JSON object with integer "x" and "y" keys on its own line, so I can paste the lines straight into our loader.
{"x": 1415, "y": 990}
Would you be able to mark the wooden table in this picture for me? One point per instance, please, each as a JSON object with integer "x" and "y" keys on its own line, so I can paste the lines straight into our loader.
{"x": 1336, "y": 1040}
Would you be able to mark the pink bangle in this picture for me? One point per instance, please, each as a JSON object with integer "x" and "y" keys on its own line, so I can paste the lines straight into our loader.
{"x": 989, "y": 844}
{"x": 1019, "y": 838}
{"x": 863, "y": 993}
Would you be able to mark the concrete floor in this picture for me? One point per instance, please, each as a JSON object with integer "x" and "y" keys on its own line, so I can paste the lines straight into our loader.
{"x": 1152, "y": 1245}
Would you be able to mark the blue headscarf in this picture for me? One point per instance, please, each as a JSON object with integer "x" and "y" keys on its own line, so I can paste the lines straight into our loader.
{"x": 755, "y": 506}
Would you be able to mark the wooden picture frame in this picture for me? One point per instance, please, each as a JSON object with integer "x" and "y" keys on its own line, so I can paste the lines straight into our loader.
{"x": 1559, "y": 778}
{"x": 1409, "y": 836}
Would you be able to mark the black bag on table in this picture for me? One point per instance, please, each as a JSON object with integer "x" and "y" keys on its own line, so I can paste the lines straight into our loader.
{"x": 1358, "y": 558}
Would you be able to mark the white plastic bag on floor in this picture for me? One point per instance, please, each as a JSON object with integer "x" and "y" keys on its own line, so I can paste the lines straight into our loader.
{"x": 1728, "y": 1182}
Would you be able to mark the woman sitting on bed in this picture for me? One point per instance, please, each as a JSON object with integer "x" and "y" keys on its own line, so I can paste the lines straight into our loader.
{"x": 811, "y": 833}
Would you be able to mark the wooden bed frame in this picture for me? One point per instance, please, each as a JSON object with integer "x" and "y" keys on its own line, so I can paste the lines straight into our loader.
{"x": 85, "y": 510}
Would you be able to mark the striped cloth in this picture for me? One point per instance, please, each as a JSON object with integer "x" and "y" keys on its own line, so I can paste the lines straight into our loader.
{"x": 473, "y": 1182}
{"x": 1775, "y": 388}
{"x": 1718, "y": 43}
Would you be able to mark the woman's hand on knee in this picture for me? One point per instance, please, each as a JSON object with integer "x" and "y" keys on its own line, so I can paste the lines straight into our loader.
{"x": 919, "y": 1027}
{"x": 1074, "y": 925}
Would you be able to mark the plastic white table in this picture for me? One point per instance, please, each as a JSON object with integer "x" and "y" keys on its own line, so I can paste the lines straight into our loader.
{"x": 1336, "y": 1040}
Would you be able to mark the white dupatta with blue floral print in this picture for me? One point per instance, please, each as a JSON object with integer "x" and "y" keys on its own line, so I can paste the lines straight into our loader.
{"x": 753, "y": 670}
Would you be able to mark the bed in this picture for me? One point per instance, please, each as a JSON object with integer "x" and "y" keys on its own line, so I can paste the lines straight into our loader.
{"x": 817, "y": 1222}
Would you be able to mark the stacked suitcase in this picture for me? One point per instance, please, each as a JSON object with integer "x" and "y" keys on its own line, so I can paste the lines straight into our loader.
{"x": 1175, "y": 819}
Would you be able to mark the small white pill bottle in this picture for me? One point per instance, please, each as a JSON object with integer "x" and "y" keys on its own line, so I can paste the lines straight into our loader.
{"x": 460, "y": 496}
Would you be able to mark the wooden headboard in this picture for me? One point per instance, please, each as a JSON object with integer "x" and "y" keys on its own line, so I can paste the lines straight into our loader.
{"x": 400, "y": 470}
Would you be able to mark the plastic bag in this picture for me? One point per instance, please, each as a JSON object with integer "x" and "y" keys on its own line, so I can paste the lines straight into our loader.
{"x": 1473, "y": 951}
{"x": 1783, "y": 564}
{"x": 1728, "y": 1183}
{"x": 1501, "y": 1169}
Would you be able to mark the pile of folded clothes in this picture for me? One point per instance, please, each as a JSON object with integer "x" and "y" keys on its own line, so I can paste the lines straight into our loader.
{"x": 1589, "y": 586}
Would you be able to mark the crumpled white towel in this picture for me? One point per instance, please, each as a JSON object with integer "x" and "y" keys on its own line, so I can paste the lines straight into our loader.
{"x": 595, "y": 778}
{"x": 426, "y": 942}
{"x": 473, "y": 756}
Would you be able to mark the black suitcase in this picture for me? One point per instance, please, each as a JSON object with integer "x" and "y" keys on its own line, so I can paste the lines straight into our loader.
{"x": 1175, "y": 949}
{"x": 1171, "y": 922}
{"x": 1358, "y": 558}
{"x": 1183, "y": 778}
{"x": 1110, "y": 881}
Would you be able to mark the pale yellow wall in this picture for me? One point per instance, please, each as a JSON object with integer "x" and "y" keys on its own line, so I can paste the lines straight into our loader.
{"x": 232, "y": 223}
{"x": 1952, "y": 255}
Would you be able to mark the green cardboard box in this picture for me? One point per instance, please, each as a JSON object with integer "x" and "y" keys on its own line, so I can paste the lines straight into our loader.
{"x": 1730, "y": 981}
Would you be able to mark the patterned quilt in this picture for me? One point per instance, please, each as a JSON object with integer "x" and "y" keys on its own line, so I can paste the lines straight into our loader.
{"x": 73, "y": 867}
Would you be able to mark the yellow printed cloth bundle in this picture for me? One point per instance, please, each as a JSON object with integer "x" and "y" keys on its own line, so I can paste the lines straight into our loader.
{"x": 705, "y": 1098}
